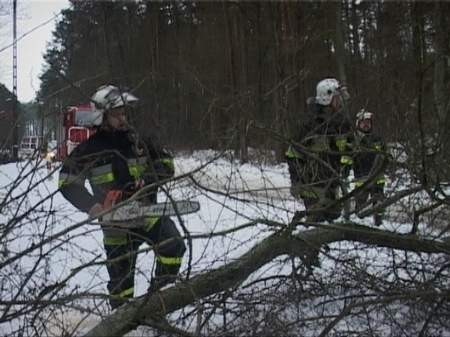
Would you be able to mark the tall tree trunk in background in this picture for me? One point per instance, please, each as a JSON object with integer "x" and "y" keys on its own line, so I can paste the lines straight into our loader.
{"x": 107, "y": 38}
{"x": 339, "y": 43}
{"x": 366, "y": 26}
{"x": 114, "y": 43}
{"x": 151, "y": 46}
{"x": 293, "y": 73}
{"x": 284, "y": 68}
{"x": 355, "y": 58}
{"x": 440, "y": 64}
{"x": 259, "y": 45}
{"x": 216, "y": 29}
{"x": 244, "y": 106}
{"x": 278, "y": 71}
{"x": 229, "y": 20}
{"x": 340, "y": 52}
{"x": 118, "y": 34}
{"x": 340, "y": 59}
{"x": 419, "y": 55}
{"x": 387, "y": 53}
{"x": 238, "y": 77}
{"x": 154, "y": 39}
{"x": 181, "y": 124}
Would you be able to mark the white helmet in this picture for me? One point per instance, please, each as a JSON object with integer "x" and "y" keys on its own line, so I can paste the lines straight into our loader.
{"x": 109, "y": 97}
{"x": 362, "y": 115}
{"x": 326, "y": 89}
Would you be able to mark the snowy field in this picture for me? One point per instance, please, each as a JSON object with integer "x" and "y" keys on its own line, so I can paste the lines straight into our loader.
{"x": 230, "y": 195}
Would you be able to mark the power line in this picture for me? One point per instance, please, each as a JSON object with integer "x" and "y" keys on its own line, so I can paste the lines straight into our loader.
{"x": 29, "y": 32}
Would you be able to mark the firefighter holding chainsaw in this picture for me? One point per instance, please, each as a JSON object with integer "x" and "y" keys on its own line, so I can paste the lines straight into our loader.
{"x": 119, "y": 167}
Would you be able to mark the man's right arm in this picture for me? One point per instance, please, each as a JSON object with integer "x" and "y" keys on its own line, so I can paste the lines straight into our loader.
{"x": 295, "y": 160}
{"x": 72, "y": 178}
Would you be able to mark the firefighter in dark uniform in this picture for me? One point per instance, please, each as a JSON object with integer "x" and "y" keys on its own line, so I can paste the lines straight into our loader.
{"x": 369, "y": 155}
{"x": 113, "y": 160}
{"x": 315, "y": 157}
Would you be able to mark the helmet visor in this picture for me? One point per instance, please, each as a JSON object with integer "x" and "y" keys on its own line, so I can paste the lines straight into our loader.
{"x": 116, "y": 99}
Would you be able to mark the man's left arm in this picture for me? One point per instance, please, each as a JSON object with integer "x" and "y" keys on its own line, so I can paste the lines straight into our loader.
{"x": 345, "y": 144}
{"x": 381, "y": 161}
{"x": 160, "y": 161}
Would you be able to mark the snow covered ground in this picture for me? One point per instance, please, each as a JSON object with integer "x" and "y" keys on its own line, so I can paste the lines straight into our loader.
{"x": 230, "y": 195}
{"x": 82, "y": 245}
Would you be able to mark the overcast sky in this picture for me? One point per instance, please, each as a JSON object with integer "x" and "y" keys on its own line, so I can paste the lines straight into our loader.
{"x": 31, "y": 48}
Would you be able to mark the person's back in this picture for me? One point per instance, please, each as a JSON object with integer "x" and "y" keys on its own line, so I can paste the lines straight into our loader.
{"x": 314, "y": 156}
{"x": 323, "y": 134}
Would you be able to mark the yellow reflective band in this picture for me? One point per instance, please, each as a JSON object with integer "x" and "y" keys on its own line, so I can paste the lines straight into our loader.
{"x": 346, "y": 160}
{"x": 292, "y": 153}
{"x": 137, "y": 171}
{"x": 69, "y": 179}
{"x": 320, "y": 143}
{"x": 62, "y": 183}
{"x": 150, "y": 222}
{"x": 100, "y": 170}
{"x": 169, "y": 163}
{"x": 359, "y": 183}
{"x": 308, "y": 194}
{"x": 66, "y": 182}
{"x": 381, "y": 181}
{"x": 103, "y": 178}
{"x": 169, "y": 260}
{"x": 115, "y": 241}
{"x": 127, "y": 293}
{"x": 341, "y": 144}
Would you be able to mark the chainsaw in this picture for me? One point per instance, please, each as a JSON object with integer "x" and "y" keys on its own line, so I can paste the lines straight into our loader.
{"x": 135, "y": 210}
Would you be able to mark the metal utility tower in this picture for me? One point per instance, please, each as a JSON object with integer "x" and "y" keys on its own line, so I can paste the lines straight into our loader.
{"x": 14, "y": 102}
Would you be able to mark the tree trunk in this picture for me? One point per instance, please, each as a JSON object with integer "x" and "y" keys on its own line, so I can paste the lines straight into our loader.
{"x": 440, "y": 64}
{"x": 238, "y": 78}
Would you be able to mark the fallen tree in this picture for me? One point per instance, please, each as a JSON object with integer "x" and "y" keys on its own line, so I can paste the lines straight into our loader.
{"x": 151, "y": 310}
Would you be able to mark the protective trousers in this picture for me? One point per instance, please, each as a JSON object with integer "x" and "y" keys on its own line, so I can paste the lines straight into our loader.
{"x": 319, "y": 191}
{"x": 121, "y": 246}
{"x": 362, "y": 200}
{"x": 320, "y": 202}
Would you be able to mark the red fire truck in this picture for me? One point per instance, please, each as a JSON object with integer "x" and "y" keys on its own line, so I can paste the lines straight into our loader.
{"x": 76, "y": 125}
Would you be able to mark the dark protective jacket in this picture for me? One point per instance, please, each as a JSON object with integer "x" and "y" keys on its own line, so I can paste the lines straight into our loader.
{"x": 112, "y": 160}
{"x": 324, "y": 135}
{"x": 368, "y": 152}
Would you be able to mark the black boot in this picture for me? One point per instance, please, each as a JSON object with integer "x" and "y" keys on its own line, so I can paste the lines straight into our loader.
{"x": 311, "y": 258}
{"x": 159, "y": 282}
{"x": 164, "y": 275}
{"x": 378, "y": 220}
{"x": 116, "y": 302}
